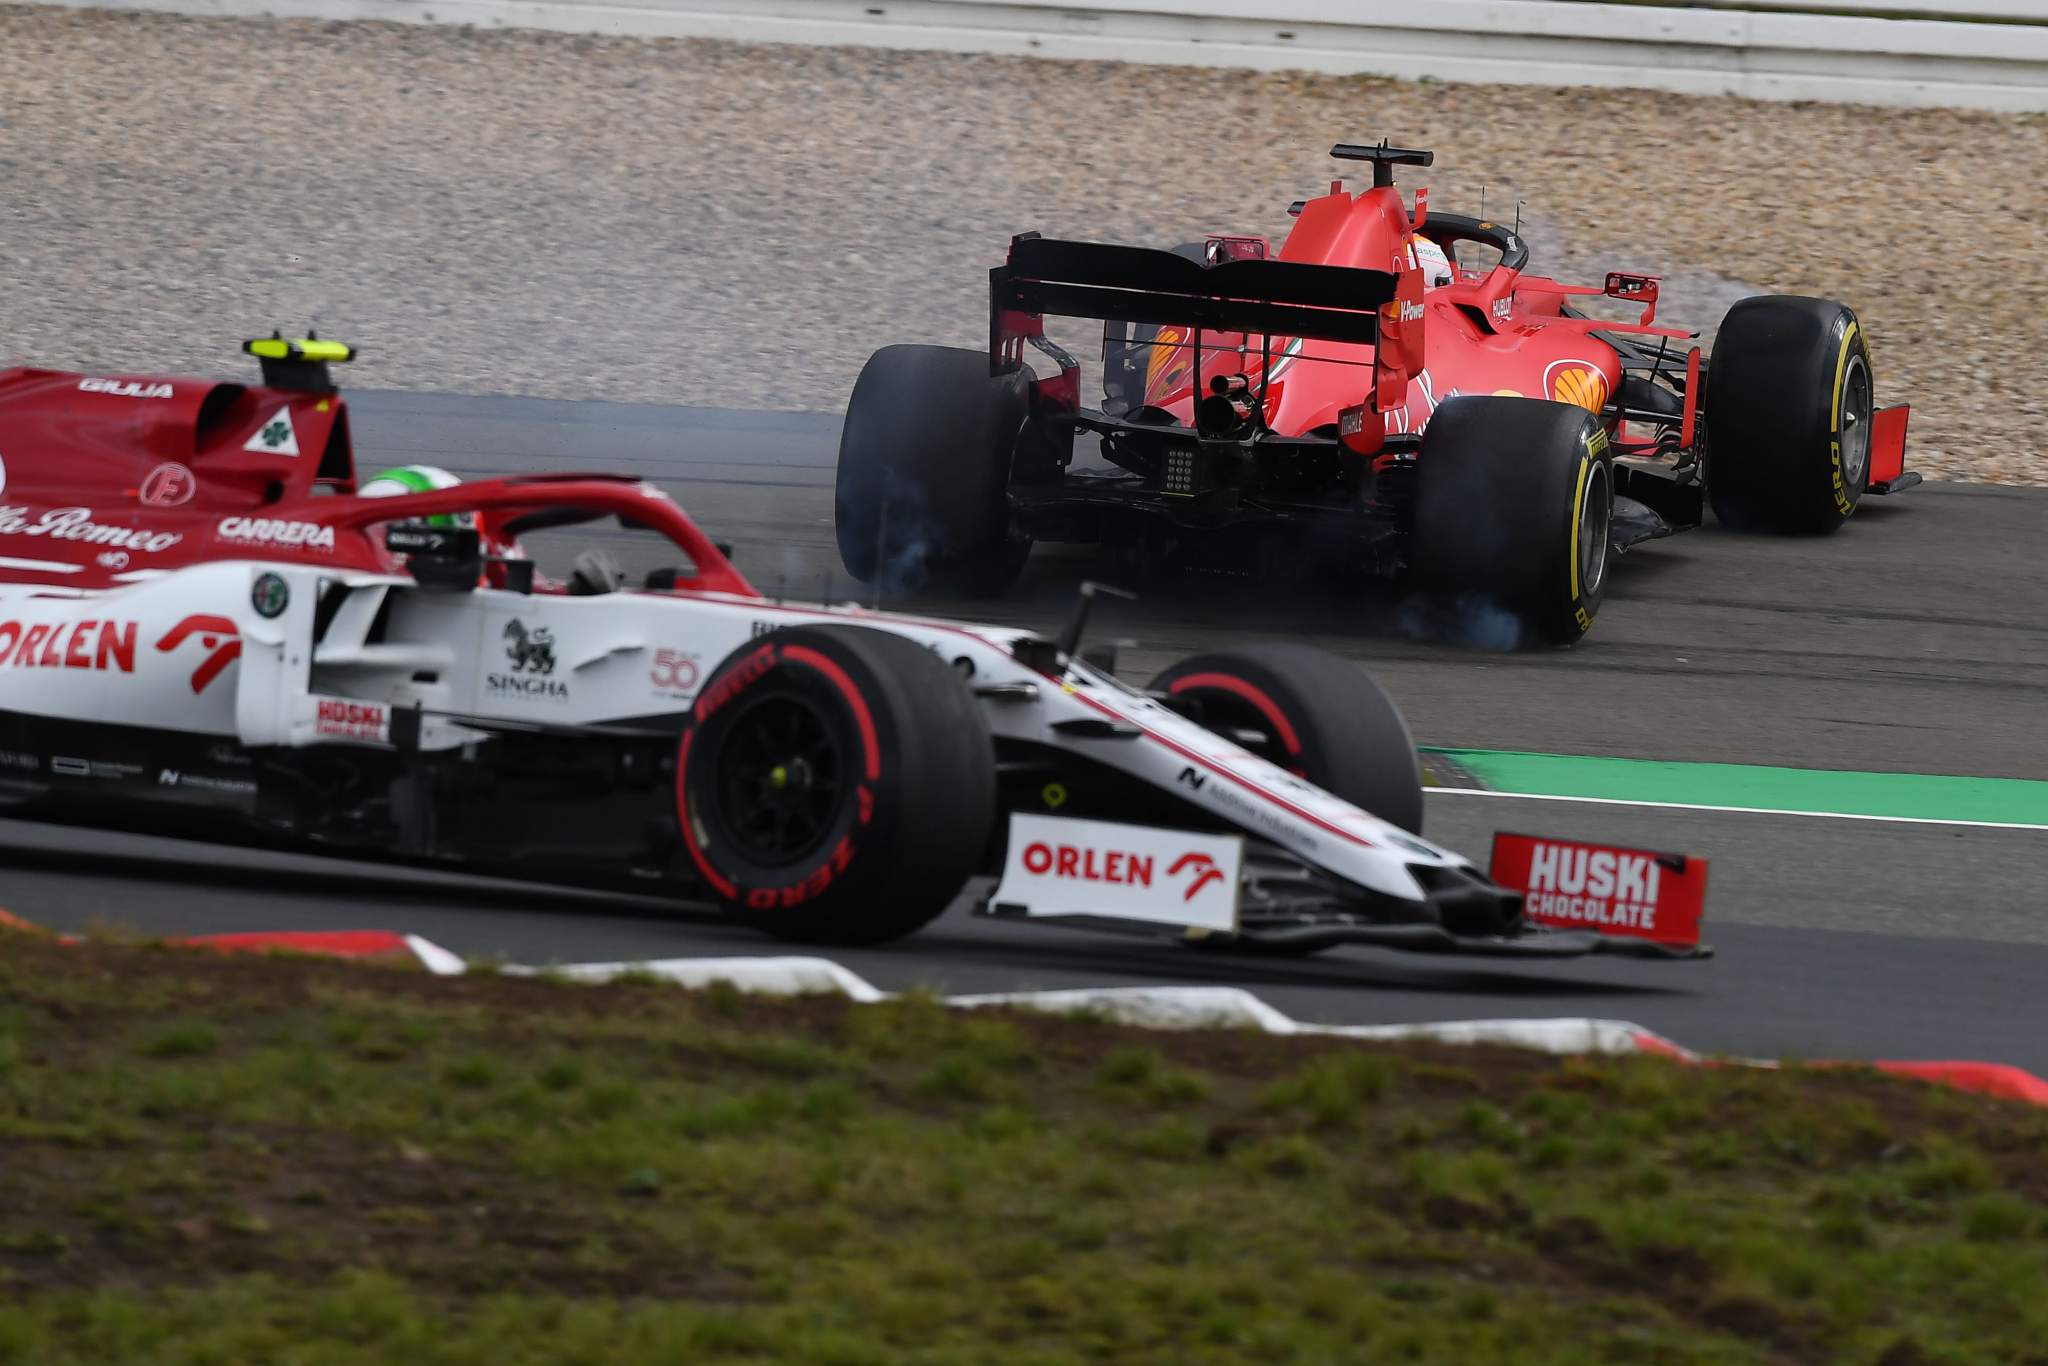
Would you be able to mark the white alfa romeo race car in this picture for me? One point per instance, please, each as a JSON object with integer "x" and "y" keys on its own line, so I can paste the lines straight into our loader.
{"x": 206, "y": 630}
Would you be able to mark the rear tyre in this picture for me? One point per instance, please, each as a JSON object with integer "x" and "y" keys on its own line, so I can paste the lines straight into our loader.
{"x": 835, "y": 784}
{"x": 1514, "y": 515}
{"x": 1788, "y": 407}
{"x": 1322, "y": 718}
{"x": 924, "y": 469}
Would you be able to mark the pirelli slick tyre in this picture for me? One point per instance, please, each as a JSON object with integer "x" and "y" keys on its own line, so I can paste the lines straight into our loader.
{"x": 921, "y": 496}
{"x": 1320, "y": 717}
{"x": 835, "y": 784}
{"x": 1789, "y": 402}
{"x": 1514, "y": 516}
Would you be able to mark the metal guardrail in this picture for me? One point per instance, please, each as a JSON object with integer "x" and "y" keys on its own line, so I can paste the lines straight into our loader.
{"x": 1988, "y": 54}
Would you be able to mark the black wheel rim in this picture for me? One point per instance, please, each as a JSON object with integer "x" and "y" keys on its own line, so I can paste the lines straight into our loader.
{"x": 780, "y": 778}
{"x": 1854, "y": 424}
{"x": 1596, "y": 528}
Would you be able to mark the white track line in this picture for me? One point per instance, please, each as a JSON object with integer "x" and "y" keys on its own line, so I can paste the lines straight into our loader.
{"x": 1737, "y": 810}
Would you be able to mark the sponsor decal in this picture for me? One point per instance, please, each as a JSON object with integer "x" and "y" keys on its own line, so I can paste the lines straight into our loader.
{"x": 1059, "y": 865}
{"x": 674, "y": 671}
{"x": 169, "y": 485}
{"x": 275, "y": 437}
{"x": 206, "y": 782}
{"x": 76, "y": 524}
{"x": 84, "y": 644}
{"x": 338, "y": 718}
{"x": 1502, "y": 307}
{"x": 1411, "y": 311}
{"x": 111, "y": 559}
{"x": 275, "y": 532}
{"x": 1597, "y": 442}
{"x": 526, "y": 686}
{"x": 124, "y": 388}
{"x": 218, "y": 636}
{"x": 15, "y": 759}
{"x": 1571, "y": 885}
{"x": 530, "y": 651}
{"x": 1241, "y": 806}
{"x": 1577, "y": 382}
{"x": 532, "y": 655}
{"x": 70, "y": 767}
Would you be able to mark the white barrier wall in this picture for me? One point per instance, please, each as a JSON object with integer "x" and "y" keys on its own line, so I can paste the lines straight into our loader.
{"x": 1989, "y": 54}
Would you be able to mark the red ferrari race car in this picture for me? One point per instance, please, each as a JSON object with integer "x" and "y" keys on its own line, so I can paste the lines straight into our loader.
{"x": 1390, "y": 391}
{"x": 208, "y": 629}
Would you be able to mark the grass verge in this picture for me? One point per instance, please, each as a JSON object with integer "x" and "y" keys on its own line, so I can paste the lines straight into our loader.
{"x": 232, "y": 1160}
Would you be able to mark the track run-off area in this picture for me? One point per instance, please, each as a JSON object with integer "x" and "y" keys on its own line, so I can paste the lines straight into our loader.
{"x": 1853, "y": 731}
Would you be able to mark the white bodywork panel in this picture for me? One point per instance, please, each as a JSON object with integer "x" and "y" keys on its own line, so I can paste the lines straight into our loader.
{"x": 158, "y": 653}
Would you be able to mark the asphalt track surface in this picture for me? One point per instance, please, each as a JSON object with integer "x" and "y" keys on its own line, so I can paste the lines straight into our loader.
{"x": 1915, "y": 641}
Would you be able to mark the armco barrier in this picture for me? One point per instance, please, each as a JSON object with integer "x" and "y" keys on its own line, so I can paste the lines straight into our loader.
{"x": 1990, "y": 54}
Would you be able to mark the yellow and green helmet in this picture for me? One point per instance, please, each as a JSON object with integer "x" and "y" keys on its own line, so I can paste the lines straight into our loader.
{"x": 415, "y": 479}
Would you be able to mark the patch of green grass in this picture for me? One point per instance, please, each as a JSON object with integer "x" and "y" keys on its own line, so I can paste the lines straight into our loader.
{"x": 187, "y": 1039}
{"x": 1332, "y": 1090}
{"x": 1147, "y": 1077}
{"x": 205, "y": 1159}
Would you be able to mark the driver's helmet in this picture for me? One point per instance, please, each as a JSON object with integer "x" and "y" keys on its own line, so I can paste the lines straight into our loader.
{"x": 497, "y": 545}
{"x": 1432, "y": 261}
{"x": 405, "y": 479}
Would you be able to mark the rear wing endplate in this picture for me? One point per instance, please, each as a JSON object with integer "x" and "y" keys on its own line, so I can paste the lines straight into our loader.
{"x": 1146, "y": 285}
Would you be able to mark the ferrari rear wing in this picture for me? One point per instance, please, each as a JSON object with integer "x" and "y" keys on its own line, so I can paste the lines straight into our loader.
{"x": 1146, "y": 285}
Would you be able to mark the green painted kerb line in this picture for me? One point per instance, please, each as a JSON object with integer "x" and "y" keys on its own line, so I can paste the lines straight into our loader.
{"x": 1909, "y": 796}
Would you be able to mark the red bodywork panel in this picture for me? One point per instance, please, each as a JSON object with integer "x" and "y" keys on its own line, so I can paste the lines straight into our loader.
{"x": 1888, "y": 444}
{"x": 1497, "y": 332}
{"x": 107, "y": 479}
{"x": 1490, "y": 332}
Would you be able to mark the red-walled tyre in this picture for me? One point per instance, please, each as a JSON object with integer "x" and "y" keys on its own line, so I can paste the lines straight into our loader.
{"x": 1316, "y": 715}
{"x": 835, "y": 784}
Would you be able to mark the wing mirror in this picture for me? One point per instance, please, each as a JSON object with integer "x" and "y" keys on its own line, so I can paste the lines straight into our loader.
{"x": 1637, "y": 289}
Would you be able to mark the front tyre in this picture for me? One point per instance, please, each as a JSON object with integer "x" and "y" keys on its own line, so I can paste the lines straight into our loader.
{"x": 1320, "y": 717}
{"x": 1789, "y": 402}
{"x": 921, "y": 498}
{"x": 1514, "y": 517}
{"x": 835, "y": 784}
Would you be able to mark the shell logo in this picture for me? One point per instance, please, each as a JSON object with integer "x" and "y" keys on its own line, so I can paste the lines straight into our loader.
{"x": 1577, "y": 382}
